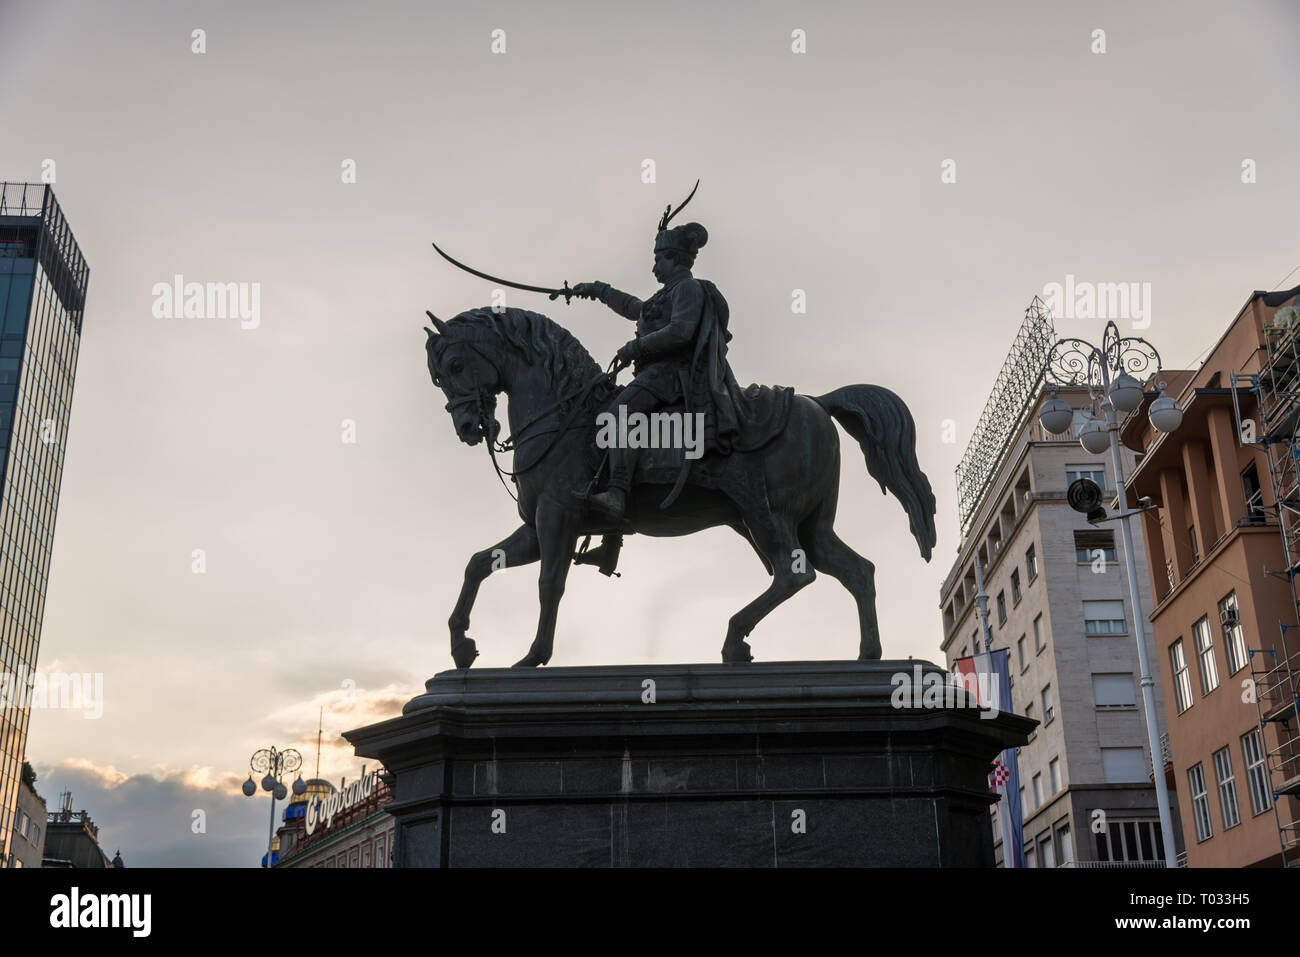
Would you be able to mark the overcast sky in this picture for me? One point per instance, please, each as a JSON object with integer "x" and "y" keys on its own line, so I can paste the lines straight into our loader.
{"x": 331, "y": 567}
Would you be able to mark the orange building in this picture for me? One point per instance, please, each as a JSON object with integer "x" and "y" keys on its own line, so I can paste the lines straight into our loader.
{"x": 1224, "y": 618}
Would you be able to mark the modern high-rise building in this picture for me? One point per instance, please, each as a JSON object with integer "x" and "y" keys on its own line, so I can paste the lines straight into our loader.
{"x": 1059, "y": 603}
{"x": 43, "y": 280}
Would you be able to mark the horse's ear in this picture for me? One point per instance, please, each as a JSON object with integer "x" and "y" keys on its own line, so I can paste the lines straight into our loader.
{"x": 430, "y": 332}
{"x": 437, "y": 323}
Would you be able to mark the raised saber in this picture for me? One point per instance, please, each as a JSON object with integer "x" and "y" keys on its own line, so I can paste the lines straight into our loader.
{"x": 564, "y": 291}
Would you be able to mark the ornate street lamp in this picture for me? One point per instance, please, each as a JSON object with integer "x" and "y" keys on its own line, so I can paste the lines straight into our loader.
{"x": 1108, "y": 374}
{"x": 275, "y": 763}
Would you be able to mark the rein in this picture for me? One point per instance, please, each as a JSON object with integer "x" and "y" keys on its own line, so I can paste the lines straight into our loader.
{"x": 511, "y": 443}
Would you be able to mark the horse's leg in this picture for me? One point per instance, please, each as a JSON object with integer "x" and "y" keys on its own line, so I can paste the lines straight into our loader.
{"x": 519, "y": 549}
{"x": 776, "y": 539}
{"x": 557, "y": 534}
{"x": 829, "y": 554}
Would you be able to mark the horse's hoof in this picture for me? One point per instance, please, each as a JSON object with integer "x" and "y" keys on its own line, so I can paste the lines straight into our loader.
{"x": 531, "y": 660}
{"x": 737, "y": 652}
{"x": 464, "y": 652}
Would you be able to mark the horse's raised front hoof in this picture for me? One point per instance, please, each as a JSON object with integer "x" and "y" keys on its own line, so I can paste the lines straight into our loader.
{"x": 870, "y": 654}
{"x": 740, "y": 651}
{"x": 463, "y": 652}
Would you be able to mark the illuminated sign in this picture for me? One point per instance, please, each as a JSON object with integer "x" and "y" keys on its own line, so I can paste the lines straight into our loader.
{"x": 321, "y": 811}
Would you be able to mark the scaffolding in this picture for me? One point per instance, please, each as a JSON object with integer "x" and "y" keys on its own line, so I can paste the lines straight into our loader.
{"x": 1276, "y": 670}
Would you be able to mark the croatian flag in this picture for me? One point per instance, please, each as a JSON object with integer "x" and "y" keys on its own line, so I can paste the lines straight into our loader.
{"x": 989, "y": 675}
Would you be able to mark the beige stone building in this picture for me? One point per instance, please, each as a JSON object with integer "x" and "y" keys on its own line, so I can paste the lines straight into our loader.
{"x": 1227, "y": 646}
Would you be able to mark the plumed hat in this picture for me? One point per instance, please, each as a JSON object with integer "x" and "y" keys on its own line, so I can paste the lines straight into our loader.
{"x": 689, "y": 238}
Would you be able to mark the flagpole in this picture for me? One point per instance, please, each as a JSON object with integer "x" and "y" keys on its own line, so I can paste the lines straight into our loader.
{"x": 982, "y": 606}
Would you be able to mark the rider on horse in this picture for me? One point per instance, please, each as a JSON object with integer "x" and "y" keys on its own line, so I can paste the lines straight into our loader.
{"x": 679, "y": 354}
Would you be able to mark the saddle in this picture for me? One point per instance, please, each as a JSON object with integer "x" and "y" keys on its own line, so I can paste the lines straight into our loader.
{"x": 768, "y": 410}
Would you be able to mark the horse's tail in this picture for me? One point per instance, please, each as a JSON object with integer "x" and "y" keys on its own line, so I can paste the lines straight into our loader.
{"x": 883, "y": 426}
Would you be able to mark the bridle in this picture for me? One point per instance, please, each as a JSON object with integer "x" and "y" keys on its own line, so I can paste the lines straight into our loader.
{"x": 485, "y": 403}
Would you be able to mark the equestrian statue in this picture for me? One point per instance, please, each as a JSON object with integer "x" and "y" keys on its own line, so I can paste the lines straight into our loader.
{"x": 764, "y": 461}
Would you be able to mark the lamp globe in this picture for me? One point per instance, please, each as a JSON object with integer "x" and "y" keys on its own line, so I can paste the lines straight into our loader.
{"x": 1056, "y": 416}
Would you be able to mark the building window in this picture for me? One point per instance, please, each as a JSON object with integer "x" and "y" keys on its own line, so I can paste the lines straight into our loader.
{"x": 1020, "y": 650}
{"x": 1024, "y": 808}
{"x": 1029, "y": 713}
{"x": 1191, "y": 537}
{"x": 1092, "y": 546}
{"x": 1234, "y": 640}
{"x": 1048, "y": 713}
{"x": 1113, "y": 690}
{"x": 1031, "y": 563}
{"x": 1046, "y": 853}
{"x": 1031, "y": 859}
{"x": 1103, "y": 617}
{"x": 1252, "y": 749}
{"x": 1038, "y": 632}
{"x": 1094, "y": 471}
{"x": 1038, "y": 790}
{"x": 1123, "y": 766}
{"x": 1255, "y": 514}
{"x": 1130, "y": 841}
{"x": 1205, "y": 655}
{"x": 1064, "y": 845}
{"x": 1054, "y": 774}
{"x": 1200, "y": 802}
{"x": 1182, "y": 681}
{"x": 1227, "y": 788}
{"x": 1002, "y": 608}
{"x": 1015, "y": 586}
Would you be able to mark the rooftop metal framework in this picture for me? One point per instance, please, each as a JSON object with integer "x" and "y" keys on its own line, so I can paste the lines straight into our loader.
{"x": 22, "y": 199}
{"x": 1011, "y": 398}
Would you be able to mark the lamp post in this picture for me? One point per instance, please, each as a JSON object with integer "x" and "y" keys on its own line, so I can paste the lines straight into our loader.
{"x": 274, "y": 763}
{"x": 1107, "y": 373}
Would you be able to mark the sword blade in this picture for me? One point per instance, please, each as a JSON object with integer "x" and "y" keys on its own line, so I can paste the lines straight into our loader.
{"x": 502, "y": 282}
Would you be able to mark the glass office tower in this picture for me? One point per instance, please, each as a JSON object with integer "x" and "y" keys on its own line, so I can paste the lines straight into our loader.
{"x": 42, "y": 293}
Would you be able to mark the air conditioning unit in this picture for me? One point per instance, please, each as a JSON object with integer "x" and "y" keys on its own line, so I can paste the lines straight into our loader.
{"x": 1228, "y": 617}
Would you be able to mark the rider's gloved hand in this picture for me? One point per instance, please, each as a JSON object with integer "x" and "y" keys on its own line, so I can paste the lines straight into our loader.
{"x": 629, "y": 353}
{"x": 590, "y": 290}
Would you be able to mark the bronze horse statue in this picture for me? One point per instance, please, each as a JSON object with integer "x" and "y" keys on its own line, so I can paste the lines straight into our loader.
{"x": 554, "y": 390}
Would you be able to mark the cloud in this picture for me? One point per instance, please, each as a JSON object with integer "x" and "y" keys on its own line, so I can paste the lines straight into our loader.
{"x": 150, "y": 817}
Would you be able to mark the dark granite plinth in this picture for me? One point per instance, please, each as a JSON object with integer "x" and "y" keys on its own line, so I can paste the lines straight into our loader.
{"x": 773, "y": 764}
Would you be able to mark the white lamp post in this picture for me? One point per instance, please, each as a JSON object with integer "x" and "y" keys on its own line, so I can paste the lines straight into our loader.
{"x": 1105, "y": 372}
{"x": 275, "y": 763}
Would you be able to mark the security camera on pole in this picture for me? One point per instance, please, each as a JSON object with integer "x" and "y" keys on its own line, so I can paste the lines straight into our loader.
{"x": 1108, "y": 374}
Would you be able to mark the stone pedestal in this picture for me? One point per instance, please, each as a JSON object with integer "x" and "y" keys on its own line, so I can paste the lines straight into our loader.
{"x": 773, "y": 764}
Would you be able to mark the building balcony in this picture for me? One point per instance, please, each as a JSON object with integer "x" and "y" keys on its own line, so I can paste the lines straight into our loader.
{"x": 1124, "y": 864}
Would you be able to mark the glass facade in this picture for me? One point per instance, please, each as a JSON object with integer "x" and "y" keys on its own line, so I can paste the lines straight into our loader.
{"x": 43, "y": 279}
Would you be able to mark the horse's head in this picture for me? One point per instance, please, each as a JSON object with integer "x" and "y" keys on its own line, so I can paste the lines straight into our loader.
{"x": 469, "y": 380}
{"x": 483, "y": 352}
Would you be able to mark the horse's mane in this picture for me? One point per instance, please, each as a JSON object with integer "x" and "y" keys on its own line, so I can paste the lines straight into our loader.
{"x": 542, "y": 341}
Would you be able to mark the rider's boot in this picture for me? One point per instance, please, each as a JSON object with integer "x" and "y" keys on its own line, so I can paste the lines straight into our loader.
{"x": 613, "y": 501}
